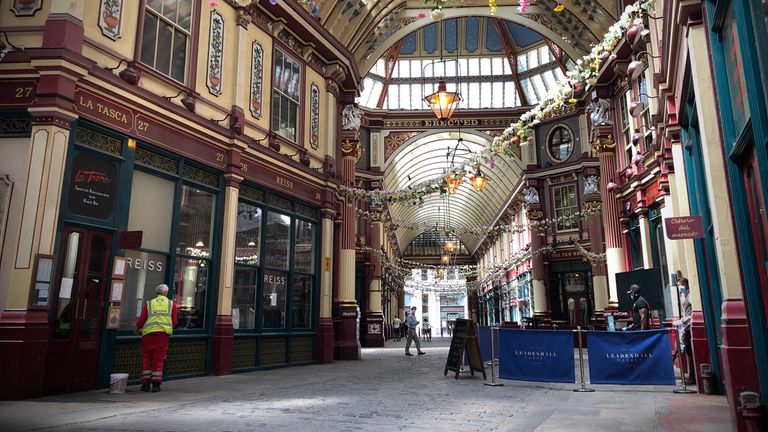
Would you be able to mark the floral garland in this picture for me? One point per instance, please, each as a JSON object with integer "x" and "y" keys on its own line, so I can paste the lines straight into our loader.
{"x": 589, "y": 256}
{"x": 312, "y": 6}
{"x": 584, "y": 74}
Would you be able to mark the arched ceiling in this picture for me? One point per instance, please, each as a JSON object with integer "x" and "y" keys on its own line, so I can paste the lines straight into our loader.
{"x": 424, "y": 158}
{"x": 370, "y": 27}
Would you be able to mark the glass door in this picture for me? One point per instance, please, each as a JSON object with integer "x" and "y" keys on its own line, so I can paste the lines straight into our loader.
{"x": 77, "y": 313}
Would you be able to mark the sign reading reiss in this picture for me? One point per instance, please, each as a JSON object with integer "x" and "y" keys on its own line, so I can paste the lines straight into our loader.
{"x": 685, "y": 227}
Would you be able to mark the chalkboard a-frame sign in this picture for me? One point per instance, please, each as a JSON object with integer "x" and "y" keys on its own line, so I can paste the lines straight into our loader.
{"x": 464, "y": 339}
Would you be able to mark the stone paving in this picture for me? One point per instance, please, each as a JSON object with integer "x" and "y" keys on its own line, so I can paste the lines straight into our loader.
{"x": 386, "y": 391}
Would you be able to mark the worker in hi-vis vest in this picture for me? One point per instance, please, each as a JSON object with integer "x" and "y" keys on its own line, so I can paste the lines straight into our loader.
{"x": 156, "y": 325}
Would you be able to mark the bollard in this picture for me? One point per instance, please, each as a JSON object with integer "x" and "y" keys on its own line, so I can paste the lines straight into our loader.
{"x": 750, "y": 410}
{"x": 707, "y": 380}
{"x": 493, "y": 382}
{"x": 583, "y": 388}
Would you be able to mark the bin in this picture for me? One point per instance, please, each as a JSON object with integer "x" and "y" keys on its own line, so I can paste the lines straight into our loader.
{"x": 118, "y": 382}
{"x": 707, "y": 378}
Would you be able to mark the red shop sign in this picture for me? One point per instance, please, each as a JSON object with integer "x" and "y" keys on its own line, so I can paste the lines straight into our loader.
{"x": 683, "y": 228}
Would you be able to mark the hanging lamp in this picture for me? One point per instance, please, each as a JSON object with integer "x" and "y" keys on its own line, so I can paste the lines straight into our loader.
{"x": 479, "y": 181}
{"x": 443, "y": 102}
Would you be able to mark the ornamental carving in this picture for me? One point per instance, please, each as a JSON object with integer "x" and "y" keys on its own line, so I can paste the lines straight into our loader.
{"x": 291, "y": 41}
{"x": 26, "y": 7}
{"x": 215, "y": 54}
{"x": 593, "y": 207}
{"x": 332, "y": 87}
{"x": 603, "y": 145}
{"x": 314, "y": 117}
{"x": 535, "y": 214}
{"x": 351, "y": 149}
{"x": 257, "y": 78}
{"x": 110, "y": 13}
{"x": 394, "y": 140}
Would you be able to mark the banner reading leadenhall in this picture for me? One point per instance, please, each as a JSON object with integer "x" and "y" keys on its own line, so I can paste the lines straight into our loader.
{"x": 536, "y": 355}
{"x": 641, "y": 357}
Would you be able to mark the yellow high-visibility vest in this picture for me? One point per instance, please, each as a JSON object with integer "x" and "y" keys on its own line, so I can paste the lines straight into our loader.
{"x": 160, "y": 317}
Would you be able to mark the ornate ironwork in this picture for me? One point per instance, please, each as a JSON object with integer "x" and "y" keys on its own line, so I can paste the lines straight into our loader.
{"x": 13, "y": 126}
{"x": 251, "y": 194}
{"x": 127, "y": 359}
{"x": 302, "y": 349}
{"x": 99, "y": 141}
{"x": 306, "y": 212}
{"x": 154, "y": 160}
{"x": 244, "y": 353}
{"x": 280, "y": 203}
{"x": 201, "y": 176}
{"x": 186, "y": 357}
{"x": 272, "y": 351}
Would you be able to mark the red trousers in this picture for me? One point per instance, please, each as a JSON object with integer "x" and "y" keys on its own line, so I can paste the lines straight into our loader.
{"x": 154, "y": 347}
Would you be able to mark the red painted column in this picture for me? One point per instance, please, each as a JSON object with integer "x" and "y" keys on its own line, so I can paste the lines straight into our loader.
{"x": 535, "y": 213}
{"x": 346, "y": 310}
{"x": 604, "y": 145}
{"x": 737, "y": 352}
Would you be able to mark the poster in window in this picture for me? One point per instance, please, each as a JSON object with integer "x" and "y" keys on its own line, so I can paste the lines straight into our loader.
{"x": 116, "y": 294}
{"x": 113, "y": 318}
{"x": 92, "y": 187}
{"x": 215, "y": 53}
{"x": 110, "y": 12}
{"x": 257, "y": 77}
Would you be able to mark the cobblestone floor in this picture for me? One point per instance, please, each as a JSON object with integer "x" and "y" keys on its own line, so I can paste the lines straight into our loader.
{"x": 386, "y": 391}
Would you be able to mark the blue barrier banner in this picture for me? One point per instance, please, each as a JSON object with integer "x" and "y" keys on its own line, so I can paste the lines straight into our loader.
{"x": 638, "y": 357}
{"x": 536, "y": 355}
{"x": 484, "y": 337}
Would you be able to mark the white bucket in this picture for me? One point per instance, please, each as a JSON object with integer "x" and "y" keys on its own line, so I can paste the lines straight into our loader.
{"x": 118, "y": 382}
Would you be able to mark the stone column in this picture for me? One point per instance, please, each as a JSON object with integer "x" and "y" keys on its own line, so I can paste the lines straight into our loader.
{"x": 222, "y": 342}
{"x": 645, "y": 236}
{"x": 535, "y": 213}
{"x": 347, "y": 343}
{"x": 593, "y": 207}
{"x": 325, "y": 328}
{"x": 374, "y": 318}
{"x": 604, "y": 146}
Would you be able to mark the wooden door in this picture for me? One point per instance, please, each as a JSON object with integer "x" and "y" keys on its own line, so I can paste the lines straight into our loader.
{"x": 78, "y": 310}
{"x": 756, "y": 212}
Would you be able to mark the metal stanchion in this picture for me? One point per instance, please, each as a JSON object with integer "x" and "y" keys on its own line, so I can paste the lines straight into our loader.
{"x": 583, "y": 388}
{"x": 493, "y": 382}
{"x": 683, "y": 360}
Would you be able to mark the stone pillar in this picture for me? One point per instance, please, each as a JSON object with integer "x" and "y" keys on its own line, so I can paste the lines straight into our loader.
{"x": 539, "y": 298}
{"x": 604, "y": 146}
{"x": 325, "y": 328}
{"x": 347, "y": 344}
{"x": 645, "y": 236}
{"x": 374, "y": 318}
{"x": 222, "y": 341}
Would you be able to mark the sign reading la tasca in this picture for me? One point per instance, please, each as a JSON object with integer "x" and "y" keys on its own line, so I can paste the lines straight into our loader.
{"x": 92, "y": 187}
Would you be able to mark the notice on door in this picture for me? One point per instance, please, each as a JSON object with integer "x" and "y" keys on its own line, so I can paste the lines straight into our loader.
{"x": 92, "y": 186}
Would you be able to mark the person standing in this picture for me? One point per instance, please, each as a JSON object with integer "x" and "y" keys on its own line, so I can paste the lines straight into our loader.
{"x": 156, "y": 324}
{"x": 396, "y": 326}
{"x": 410, "y": 320}
{"x": 641, "y": 310}
{"x": 686, "y": 317}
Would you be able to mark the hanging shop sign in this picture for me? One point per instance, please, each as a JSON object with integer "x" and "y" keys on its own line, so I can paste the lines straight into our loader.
{"x": 92, "y": 186}
{"x": 683, "y": 228}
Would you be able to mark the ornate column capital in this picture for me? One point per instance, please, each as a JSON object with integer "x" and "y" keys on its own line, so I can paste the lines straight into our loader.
{"x": 602, "y": 145}
{"x": 351, "y": 148}
{"x": 534, "y": 214}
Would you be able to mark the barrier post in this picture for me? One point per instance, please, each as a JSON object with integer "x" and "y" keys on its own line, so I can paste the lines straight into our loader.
{"x": 493, "y": 382}
{"x": 683, "y": 361}
{"x": 583, "y": 388}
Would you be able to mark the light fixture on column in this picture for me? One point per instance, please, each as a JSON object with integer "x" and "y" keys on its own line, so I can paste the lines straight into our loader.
{"x": 638, "y": 137}
{"x": 637, "y": 106}
{"x": 479, "y": 181}
{"x": 636, "y": 67}
{"x": 443, "y": 102}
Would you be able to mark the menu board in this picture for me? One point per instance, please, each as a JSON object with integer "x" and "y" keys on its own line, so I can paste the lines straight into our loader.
{"x": 464, "y": 339}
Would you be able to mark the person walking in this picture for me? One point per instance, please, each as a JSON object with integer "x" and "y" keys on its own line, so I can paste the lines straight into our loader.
{"x": 686, "y": 318}
{"x": 641, "y": 310}
{"x": 410, "y": 320}
{"x": 426, "y": 329}
{"x": 156, "y": 324}
{"x": 396, "y": 324}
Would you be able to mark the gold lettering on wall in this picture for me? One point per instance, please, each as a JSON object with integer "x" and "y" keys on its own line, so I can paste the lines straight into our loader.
{"x": 284, "y": 183}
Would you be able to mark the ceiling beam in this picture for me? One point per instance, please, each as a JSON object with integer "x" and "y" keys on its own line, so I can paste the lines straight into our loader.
{"x": 510, "y": 52}
{"x": 389, "y": 64}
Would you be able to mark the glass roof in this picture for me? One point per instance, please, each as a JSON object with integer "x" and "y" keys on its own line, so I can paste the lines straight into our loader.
{"x": 424, "y": 159}
{"x": 474, "y": 60}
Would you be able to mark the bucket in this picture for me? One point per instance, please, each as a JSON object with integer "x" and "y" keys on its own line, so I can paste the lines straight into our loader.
{"x": 118, "y": 382}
